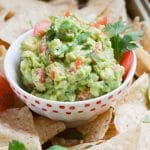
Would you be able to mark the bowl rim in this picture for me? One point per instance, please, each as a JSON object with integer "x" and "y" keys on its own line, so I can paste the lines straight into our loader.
{"x": 13, "y": 83}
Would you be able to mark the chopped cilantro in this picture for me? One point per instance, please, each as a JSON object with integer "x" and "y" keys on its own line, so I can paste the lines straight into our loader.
{"x": 16, "y": 145}
{"x": 122, "y": 43}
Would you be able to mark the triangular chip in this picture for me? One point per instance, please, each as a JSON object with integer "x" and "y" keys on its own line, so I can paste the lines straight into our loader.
{"x": 146, "y": 37}
{"x": 97, "y": 128}
{"x": 133, "y": 139}
{"x": 18, "y": 124}
{"x": 132, "y": 108}
{"x": 47, "y": 128}
{"x": 143, "y": 61}
{"x": 123, "y": 141}
{"x": 102, "y": 8}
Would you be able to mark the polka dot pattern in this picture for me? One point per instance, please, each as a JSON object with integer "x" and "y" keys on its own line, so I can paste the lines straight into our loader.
{"x": 86, "y": 105}
{"x": 48, "y": 105}
{"x": 37, "y": 102}
{"x": 62, "y": 107}
{"x": 68, "y": 109}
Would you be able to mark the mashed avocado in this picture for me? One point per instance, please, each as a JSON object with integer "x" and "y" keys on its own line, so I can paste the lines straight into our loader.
{"x": 72, "y": 61}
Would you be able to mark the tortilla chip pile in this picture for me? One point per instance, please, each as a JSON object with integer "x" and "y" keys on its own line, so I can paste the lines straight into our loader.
{"x": 126, "y": 126}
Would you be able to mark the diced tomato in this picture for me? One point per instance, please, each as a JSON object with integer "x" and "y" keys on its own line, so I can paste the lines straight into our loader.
{"x": 95, "y": 24}
{"x": 41, "y": 27}
{"x": 67, "y": 13}
{"x": 41, "y": 74}
{"x": 43, "y": 45}
{"x": 126, "y": 62}
{"x": 78, "y": 62}
{"x": 102, "y": 21}
{"x": 6, "y": 95}
{"x": 42, "y": 48}
{"x": 52, "y": 75}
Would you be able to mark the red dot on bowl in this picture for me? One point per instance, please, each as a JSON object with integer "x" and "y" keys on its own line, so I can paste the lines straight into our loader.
{"x": 25, "y": 97}
{"x": 48, "y": 105}
{"x": 110, "y": 97}
{"x": 18, "y": 92}
{"x": 44, "y": 109}
{"x": 103, "y": 105}
{"x": 68, "y": 113}
{"x": 119, "y": 92}
{"x": 32, "y": 105}
{"x": 81, "y": 111}
{"x": 87, "y": 105}
{"x": 92, "y": 109}
{"x": 55, "y": 111}
{"x": 13, "y": 88}
{"x": 36, "y": 101}
{"x": 98, "y": 102}
{"x": 62, "y": 107}
{"x": 71, "y": 107}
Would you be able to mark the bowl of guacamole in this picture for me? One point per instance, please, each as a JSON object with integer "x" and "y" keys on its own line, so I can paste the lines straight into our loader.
{"x": 69, "y": 69}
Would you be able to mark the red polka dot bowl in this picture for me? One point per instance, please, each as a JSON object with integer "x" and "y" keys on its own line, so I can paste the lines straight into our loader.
{"x": 71, "y": 112}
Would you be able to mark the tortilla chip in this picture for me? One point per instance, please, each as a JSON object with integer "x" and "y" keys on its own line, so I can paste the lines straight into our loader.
{"x": 111, "y": 132}
{"x": 4, "y": 43}
{"x": 132, "y": 139}
{"x": 2, "y": 56}
{"x": 69, "y": 137}
{"x": 146, "y": 37}
{"x": 130, "y": 110}
{"x": 123, "y": 141}
{"x": 47, "y": 128}
{"x": 116, "y": 10}
{"x": 9, "y": 15}
{"x": 96, "y": 129}
{"x": 65, "y": 142}
{"x": 107, "y": 8}
{"x": 18, "y": 124}
{"x": 93, "y": 7}
{"x": 85, "y": 146}
{"x": 143, "y": 61}
{"x": 2, "y": 51}
{"x": 3, "y": 141}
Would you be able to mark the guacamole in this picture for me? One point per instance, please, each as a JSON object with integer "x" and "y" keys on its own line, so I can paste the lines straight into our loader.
{"x": 71, "y": 61}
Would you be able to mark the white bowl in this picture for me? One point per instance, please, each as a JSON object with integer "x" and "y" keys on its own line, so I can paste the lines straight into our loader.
{"x": 79, "y": 111}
